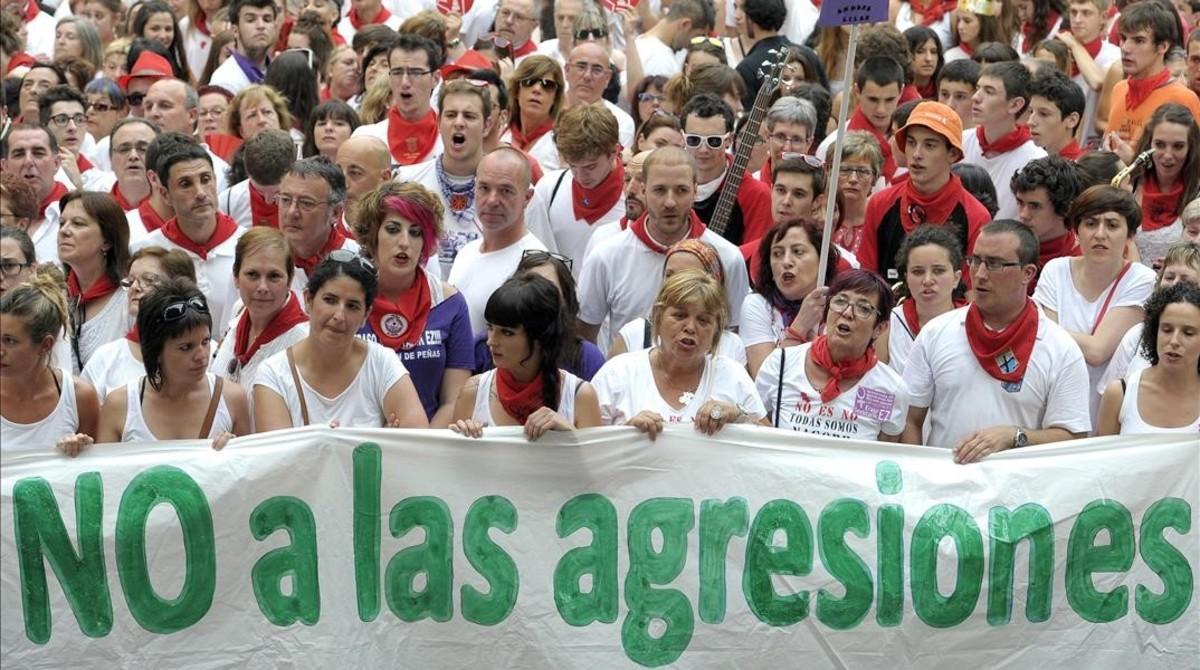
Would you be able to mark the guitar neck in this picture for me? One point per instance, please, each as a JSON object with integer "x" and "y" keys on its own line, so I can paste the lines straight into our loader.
{"x": 741, "y": 158}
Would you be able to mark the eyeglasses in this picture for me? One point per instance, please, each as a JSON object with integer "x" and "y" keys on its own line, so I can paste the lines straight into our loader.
{"x": 590, "y": 34}
{"x": 713, "y": 141}
{"x": 346, "y": 256}
{"x": 509, "y": 15}
{"x": 147, "y": 280}
{"x": 809, "y": 160}
{"x": 589, "y": 68}
{"x": 537, "y": 256}
{"x": 646, "y": 96}
{"x": 214, "y": 112}
{"x": 854, "y": 171}
{"x": 135, "y": 99}
{"x": 63, "y": 119}
{"x": 101, "y": 107}
{"x": 701, "y": 39}
{"x": 792, "y": 140}
{"x": 546, "y": 84}
{"x": 306, "y": 205}
{"x": 10, "y": 268}
{"x": 177, "y": 310}
{"x": 126, "y": 149}
{"x": 862, "y": 309}
{"x": 410, "y": 72}
{"x": 992, "y": 264}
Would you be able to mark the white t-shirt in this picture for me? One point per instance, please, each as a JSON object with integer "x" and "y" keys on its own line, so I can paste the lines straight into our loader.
{"x": 1001, "y": 168}
{"x": 877, "y": 404}
{"x": 633, "y": 334}
{"x": 229, "y": 76}
{"x": 45, "y": 237}
{"x": 477, "y": 275}
{"x": 625, "y": 129}
{"x": 1126, "y": 360}
{"x": 225, "y": 364}
{"x": 657, "y": 57}
{"x": 900, "y": 341}
{"x": 761, "y": 323}
{"x": 625, "y": 386}
{"x": 39, "y": 35}
{"x": 113, "y": 366}
{"x": 235, "y": 201}
{"x": 551, "y": 216}
{"x": 360, "y": 405}
{"x": 457, "y": 231}
{"x": 544, "y": 151}
{"x": 62, "y": 420}
{"x": 943, "y": 375}
{"x": 110, "y": 323}
{"x": 955, "y": 53}
{"x": 1056, "y": 291}
{"x": 196, "y": 47}
{"x": 905, "y": 19}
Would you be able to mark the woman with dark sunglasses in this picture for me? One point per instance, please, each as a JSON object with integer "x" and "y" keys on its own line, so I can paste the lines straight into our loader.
{"x": 537, "y": 97}
{"x": 178, "y": 398}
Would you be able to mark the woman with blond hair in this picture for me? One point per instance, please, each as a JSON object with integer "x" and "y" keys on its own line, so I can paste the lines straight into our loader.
{"x": 535, "y": 100}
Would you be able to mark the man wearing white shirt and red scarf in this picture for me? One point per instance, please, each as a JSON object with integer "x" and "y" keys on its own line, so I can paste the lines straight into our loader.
{"x": 411, "y": 126}
{"x": 199, "y": 228}
{"x": 155, "y": 210}
{"x": 130, "y": 138}
{"x": 619, "y": 278}
{"x": 31, "y": 152}
{"x": 996, "y": 374}
{"x": 365, "y": 13}
{"x": 311, "y": 198}
{"x": 268, "y": 156}
{"x": 515, "y": 21}
{"x": 588, "y": 74}
{"x": 568, "y": 206}
{"x": 256, "y": 28}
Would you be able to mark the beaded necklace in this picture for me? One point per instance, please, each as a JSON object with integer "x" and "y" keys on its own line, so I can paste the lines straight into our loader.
{"x": 459, "y": 197}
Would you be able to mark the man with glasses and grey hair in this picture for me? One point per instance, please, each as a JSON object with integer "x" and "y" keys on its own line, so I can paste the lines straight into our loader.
{"x": 311, "y": 198}
{"x": 175, "y": 106}
{"x": 789, "y": 125}
{"x": 588, "y": 73}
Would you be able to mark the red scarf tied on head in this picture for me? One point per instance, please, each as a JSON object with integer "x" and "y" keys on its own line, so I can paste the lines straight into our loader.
{"x": 519, "y": 399}
{"x": 226, "y": 228}
{"x": 1003, "y": 354}
{"x": 1140, "y": 89}
{"x": 1160, "y": 208}
{"x": 290, "y": 315}
{"x": 399, "y": 325}
{"x": 839, "y": 370}
{"x": 639, "y": 231}
{"x": 410, "y": 142}
{"x": 56, "y": 194}
{"x": 917, "y": 208}
{"x": 593, "y": 203}
{"x": 332, "y": 243}
{"x": 102, "y": 287}
{"x": 1019, "y": 135}
{"x": 859, "y": 121}
{"x": 522, "y": 141}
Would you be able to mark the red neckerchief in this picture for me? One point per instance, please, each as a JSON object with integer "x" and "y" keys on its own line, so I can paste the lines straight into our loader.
{"x": 31, "y": 10}
{"x": 859, "y": 121}
{"x": 917, "y": 208}
{"x": 1093, "y": 49}
{"x": 326, "y": 94}
{"x": 449, "y": 6}
{"x": 1027, "y": 30}
{"x": 967, "y": 49}
{"x": 400, "y": 324}
{"x": 56, "y": 194}
{"x": 134, "y": 335}
{"x": 1160, "y": 209}
{"x": 358, "y": 23}
{"x": 839, "y": 370}
{"x": 593, "y": 203}
{"x": 928, "y": 91}
{"x": 290, "y": 315}
{"x": 262, "y": 213}
{"x": 226, "y": 227}
{"x": 19, "y": 59}
{"x": 202, "y": 23}
{"x": 908, "y": 310}
{"x": 338, "y": 40}
{"x": 150, "y": 218}
{"x": 1140, "y": 89}
{"x": 932, "y": 11}
{"x": 122, "y": 201}
{"x": 908, "y": 94}
{"x": 518, "y": 399}
{"x": 1065, "y": 245}
{"x": 223, "y": 145}
{"x": 639, "y": 231}
{"x": 102, "y": 287}
{"x": 332, "y": 243}
{"x": 1018, "y": 136}
{"x": 1004, "y": 354}
{"x": 1072, "y": 151}
{"x": 83, "y": 164}
{"x": 523, "y": 141}
{"x": 411, "y": 142}
{"x": 529, "y": 47}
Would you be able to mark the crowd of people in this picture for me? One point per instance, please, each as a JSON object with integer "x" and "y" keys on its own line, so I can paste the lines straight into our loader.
{"x": 225, "y": 217}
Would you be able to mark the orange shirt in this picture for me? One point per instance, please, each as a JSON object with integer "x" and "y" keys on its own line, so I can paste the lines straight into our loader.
{"x": 1128, "y": 123}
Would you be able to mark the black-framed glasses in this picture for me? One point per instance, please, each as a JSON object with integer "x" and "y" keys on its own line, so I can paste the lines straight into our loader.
{"x": 861, "y": 309}
{"x": 992, "y": 264}
{"x": 713, "y": 141}
{"x": 177, "y": 310}
{"x": 63, "y": 119}
{"x": 538, "y": 255}
{"x": 590, "y": 34}
{"x": 545, "y": 83}
{"x": 11, "y": 268}
{"x": 347, "y": 256}
{"x": 135, "y": 99}
{"x": 306, "y": 205}
{"x": 647, "y": 96}
{"x": 410, "y": 72}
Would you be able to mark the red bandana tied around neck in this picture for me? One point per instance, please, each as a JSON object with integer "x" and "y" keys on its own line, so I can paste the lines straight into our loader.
{"x": 859, "y": 121}
{"x": 522, "y": 141}
{"x": 290, "y": 315}
{"x": 928, "y": 91}
{"x": 917, "y": 208}
{"x": 1018, "y": 136}
{"x": 524, "y": 50}
{"x": 83, "y": 163}
{"x": 1064, "y": 246}
{"x": 31, "y": 10}
{"x": 932, "y": 11}
{"x": 1027, "y": 30}
{"x": 399, "y": 325}
{"x": 908, "y": 309}
{"x": 1004, "y": 354}
{"x": 410, "y": 142}
{"x": 518, "y": 399}
{"x": 332, "y": 243}
{"x": 967, "y": 49}
{"x": 839, "y": 370}
{"x": 1093, "y": 50}
{"x": 262, "y": 213}
{"x": 1072, "y": 151}
{"x": 1160, "y": 209}
{"x": 134, "y": 335}
{"x": 593, "y": 203}
{"x": 102, "y": 287}
{"x": 56, "y": 194}
{"x": 639, "y": 231}
{"x": 358, "y": 23}
{"x": 150, "y": 218}
{"x": 19, "y": 59}
{"x": 1140, "y": 89}
{"x": 122, "y": 201}
{"x": 225, "y": 229}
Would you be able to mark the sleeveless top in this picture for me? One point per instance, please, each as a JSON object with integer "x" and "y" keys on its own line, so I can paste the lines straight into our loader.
{"x": 1131, "y": 419}
{"x": 136, "y": 429}
{"x": 62, "y": 420}
{"x": 566, "y": 397}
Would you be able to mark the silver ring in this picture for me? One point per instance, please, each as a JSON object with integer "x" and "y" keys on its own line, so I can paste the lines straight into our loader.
{"x": 716, "y": 414}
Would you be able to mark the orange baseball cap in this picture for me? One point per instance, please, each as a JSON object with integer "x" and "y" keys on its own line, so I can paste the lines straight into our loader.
{"x": 149, "y": 65}
{"x": 940, "y": 119}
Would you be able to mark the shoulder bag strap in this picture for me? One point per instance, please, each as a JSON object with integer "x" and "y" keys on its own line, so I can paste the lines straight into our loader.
{"x": 212, "y": 407}
{"x": 1111, "y": 292}
{"x": 779, "y": 388}
{"x": 554, "y": 193}
{"x": 299, "y": 386}
{"x": 646, "y": 335}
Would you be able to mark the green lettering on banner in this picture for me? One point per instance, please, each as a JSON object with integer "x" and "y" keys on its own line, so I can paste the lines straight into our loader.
{"x": 170, "y": 485}
{"x": 674, "y": 518}
{"x": 719, "y": 521}
{"x": 889, "y": 604}
{"x": 41, "y": 536}
{"x": 764, "y": 559}
{"x": 1166, "y": 561}
{"x": 1084, "y": 558}
{"x": 930, "y": 605}
{"x": 838, "y": 517}
{"x": 368, "y": 476}
{"x": 1006, "y": 530}
{"x": 492, "y": 562}
{"x": 297, "y": 560}
{"x": 433, "y": 557}
{"x": 598, "y": 559}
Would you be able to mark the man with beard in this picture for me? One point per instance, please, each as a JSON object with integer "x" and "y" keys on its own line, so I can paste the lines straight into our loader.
{"x": 254, "y": 23}
{"x": 31, "y": 152}
{"x": 588, "y": 74}
{"x": 411, "y": 126}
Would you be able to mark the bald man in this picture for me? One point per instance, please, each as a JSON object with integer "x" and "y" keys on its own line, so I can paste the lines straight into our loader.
{"x": 588, "y": 74}
{"x": 366, "y": 163}
{"x": 175, "y": 107}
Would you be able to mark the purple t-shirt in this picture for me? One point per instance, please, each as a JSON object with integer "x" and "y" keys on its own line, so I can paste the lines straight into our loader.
{"x": 447, "y": 343}
{"x": 591, "y": 360}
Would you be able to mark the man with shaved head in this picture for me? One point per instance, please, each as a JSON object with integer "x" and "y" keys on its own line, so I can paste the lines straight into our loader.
{"x": 175, "y": 107}
{"x": 588, "y": 74}
{"x": 365, "y": 162}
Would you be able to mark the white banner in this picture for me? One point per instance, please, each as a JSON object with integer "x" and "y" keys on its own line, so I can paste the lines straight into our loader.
{"x": 318, "y": 548}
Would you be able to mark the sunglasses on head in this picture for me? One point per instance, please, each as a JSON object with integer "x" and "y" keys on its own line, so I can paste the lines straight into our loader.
{"x": 345, "y": 256}
{"x": 713, "y": 141}
{"x": 176, "y": 310}
{"x": 537, "y": 256}
{"x": 546, "y": 84}
{"x": 707, "y": 40}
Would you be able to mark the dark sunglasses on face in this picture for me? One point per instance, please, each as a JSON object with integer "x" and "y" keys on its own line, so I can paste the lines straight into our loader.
{"x": 135, "y": 99}
{"x": 590, "y": 34}
{"x": 546, "y": 84}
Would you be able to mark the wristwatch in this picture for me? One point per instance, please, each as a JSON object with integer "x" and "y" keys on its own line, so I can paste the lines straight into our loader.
{"x": 1020, "y": 439}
